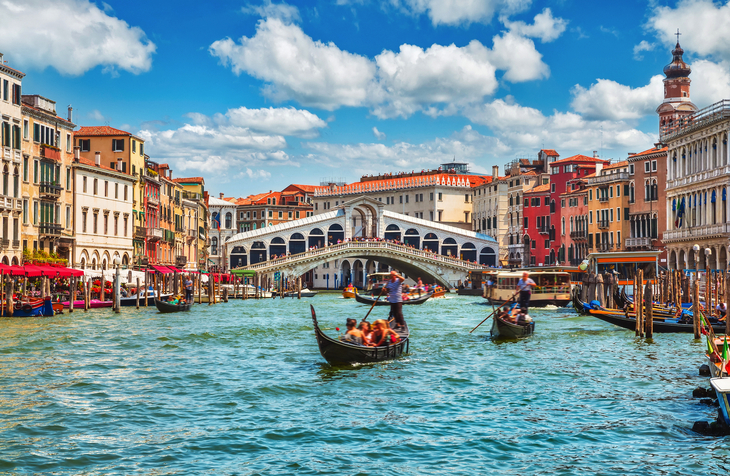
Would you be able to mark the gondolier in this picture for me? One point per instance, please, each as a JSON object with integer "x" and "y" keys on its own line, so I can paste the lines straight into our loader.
{"x": 395, "y": 297}
{"x": 524, "y": 286}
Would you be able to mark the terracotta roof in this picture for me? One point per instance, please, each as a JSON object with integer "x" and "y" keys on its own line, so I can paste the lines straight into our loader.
{"x": 578, "y": 158}
{"x": 575, "y": 192}
{"x": 100, "y": 131}
{"x": 539, "y": 189}
{"x": 624, "y": 163}
{"x": 91, "y": 163}
{"x": 189, "y": 180}
{"x": 393, "y": 183}
{"x": 306, "y": 188}
{"x": 589, "y": 176}
{"x": 13, "y": 69}
{"x": 550, "y": 152}
{"x": 653, "y": 150}
{"x": 46, "y": 112}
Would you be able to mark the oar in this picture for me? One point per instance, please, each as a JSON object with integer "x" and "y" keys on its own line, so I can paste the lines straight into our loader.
{"x": 494, "y": 312}
{"x": 371, "y": 307}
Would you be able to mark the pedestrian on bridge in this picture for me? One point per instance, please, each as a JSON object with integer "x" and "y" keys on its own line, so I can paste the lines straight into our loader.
{"x": 395, "y": 297}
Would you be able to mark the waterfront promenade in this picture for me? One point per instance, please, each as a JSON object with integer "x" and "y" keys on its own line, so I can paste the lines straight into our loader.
{"x": 240, "y": 388}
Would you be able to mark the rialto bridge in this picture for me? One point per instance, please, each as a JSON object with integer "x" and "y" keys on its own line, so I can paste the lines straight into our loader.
{"x": 361, "y": 230}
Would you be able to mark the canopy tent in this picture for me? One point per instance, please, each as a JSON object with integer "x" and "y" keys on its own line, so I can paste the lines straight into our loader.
{"x": 12, "y": 270}
{"x": 162, "y": 269}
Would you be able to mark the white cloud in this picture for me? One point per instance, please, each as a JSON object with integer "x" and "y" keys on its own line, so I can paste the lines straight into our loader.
{"x": 502, "y": 115}
{"x": 435, "y": 80}
{"x": 256, "y": 174}
{"x": 710, "y": 82}
{"x": 97, "y": 116}
{"x": 703, "y": 26}
{"x": 545, "y": 26}
{"x": 297, "y": 67}
{"x": 378, "y": 135}
{"x": 283, "y": 11}
{"x": 462, "y": 12}
{"x": 72, "y": 36}
{"x": 241, "y": 138}
{"x": 607, "y": 99}
{"x": 641, "y": 47}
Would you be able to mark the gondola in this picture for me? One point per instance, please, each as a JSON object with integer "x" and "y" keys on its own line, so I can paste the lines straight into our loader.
{"x": 338, "y": 352}
{"x": 508, "y": 330}
{"x": 384, "y": 302}
{"x": 166, "y": 307}
{"x": 666, "y": 326}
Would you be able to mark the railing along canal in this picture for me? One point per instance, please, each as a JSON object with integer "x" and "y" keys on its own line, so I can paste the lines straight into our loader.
{"x": 365, "y": 245}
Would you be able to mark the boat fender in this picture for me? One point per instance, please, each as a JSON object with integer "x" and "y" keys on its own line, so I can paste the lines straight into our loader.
{"x": 26, "y": 307}
{"x": 595, "y": 304}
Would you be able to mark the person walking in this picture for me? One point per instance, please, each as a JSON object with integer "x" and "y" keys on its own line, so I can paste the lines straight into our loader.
{"x": 524, "y": 287}
{"x": 395, "y": 297}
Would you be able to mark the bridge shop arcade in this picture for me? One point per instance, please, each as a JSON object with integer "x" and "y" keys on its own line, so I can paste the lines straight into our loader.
{"x": 344, "y": 244}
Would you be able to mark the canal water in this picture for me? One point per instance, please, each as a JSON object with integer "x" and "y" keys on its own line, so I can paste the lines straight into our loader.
{"x": 241, "y": 388}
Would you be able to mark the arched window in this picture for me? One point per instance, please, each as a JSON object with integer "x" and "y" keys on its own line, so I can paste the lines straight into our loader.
{"x": 562, "y": 226}
{"x": 654, "y": 190}
{"x": 16, "y": 182}
{"x": 214, "y": 246}
{"x": 631, "y": 193}
{"x": 6, "y": 173}
{"x": 229, "y": 221}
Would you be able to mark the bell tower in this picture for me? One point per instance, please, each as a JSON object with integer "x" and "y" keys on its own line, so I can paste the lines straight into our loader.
{"x": 676, "y": 104}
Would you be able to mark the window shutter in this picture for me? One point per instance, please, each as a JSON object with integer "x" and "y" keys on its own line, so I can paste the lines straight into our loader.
{"x": 36, "y": 132}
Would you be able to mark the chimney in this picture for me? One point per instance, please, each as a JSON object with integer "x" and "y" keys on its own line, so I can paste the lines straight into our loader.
{"x": 595, "y": 154}
{"x": 77, "y": 152}
{"x": 495, "y": 172}
{"x": 599, "y": 167}
{"x": 119, "y": 163}
{"x": 97, "y": 158}
{"x": 70, "y": 113}
{"x": 222, "y": 195}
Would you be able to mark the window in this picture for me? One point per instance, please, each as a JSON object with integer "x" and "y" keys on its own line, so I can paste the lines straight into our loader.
{"x": 5, "y": 90}
{"x": 289, "y": 214}
{"x": 441, "y": 197}
{"x": 116, "y": 191}
{"x": 96, "y": 222}
{"x": 568, "y": 169}
{"x": 590, "y": 216}
{"x": 141, "y": 149}
{"x": 96, "y": 187}
{"x": 562, "y": 203}
{"x": 85, "y": 145}
{"x": 401, "y": 198}
{"x": 646, "y": 166}
{"x": 610, "y": 192}
{"x": 610, "y": 215}
{"x": 117, "y": 145}
{"x": 116, "y": 225}
{"x": 25, "y": 211}
{"x": 83, "y": 221}
{"x": 125, "y": 225}
{"x": 68, "y": 178}
{"x": 466, "y": 197}
{"x": 125, "y": 193}
{"x": 25, "y": 129}
{"x": 68, "y": 217}
{"x": 552, "y": 188}
{"x": 430, "y": 196}
{"x": 25, "y": 169}
{"x": 653, "y": 165}
{"x": 16, "y": 94}
{"x": 631, "y": 169}
{"x": 281, "y": 214}
{"x": 618, "y": 213}
{"x": 406, "y": 198}
{"x": 35, "y": 171}
{"x": 68, "y": 142}
{"x": 106, "y": 188}
{"x": 618, "y": 190}
{"x": 134, "y": 147}
{"x": 590, "y": 194}
{"x": 554, "y": 170}
{"x": 271, "y": 214}
{"x": 35, "y": 212}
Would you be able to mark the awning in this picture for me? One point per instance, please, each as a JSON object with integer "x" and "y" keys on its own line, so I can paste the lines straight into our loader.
{"x": 12, "y": 270}
{"x": 162, "y": 269}
{"x": 249, "y": 273}
{"x": 33, "y": 271}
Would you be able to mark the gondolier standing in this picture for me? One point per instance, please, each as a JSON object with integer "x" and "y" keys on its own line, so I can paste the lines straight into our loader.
{"x": 395, "y": 297}
{"x": 524, "y": 286}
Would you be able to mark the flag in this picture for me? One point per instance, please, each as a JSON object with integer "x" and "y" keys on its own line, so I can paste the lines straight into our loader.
{"x": 727, "y": 368}
{"x": 680, "y": 214}
{"x": 710, "y": 350}
{"x": 725, "y": 350}
{"x": 217, "y": 220}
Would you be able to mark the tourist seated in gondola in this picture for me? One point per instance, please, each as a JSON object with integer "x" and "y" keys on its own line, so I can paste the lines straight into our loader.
{"x": 383, "y": 334}
{"x": 721, "y": 309}
{"x": 366, "y": 331}
{"x": 522, "y": 318}
{"x": 353, "y": 334}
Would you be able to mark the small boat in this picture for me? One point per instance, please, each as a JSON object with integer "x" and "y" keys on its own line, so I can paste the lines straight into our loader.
{"x": 349, "y": 292}
{"x": 722, "y": 389}
{"x": 132, "y": 300}
{"x": 164, "y": 306}
{"x": 93, "y": 304}
{"x": 553, "y": 287}
{"x": 661, "y": 326}
{"x": 510, "y": 330}
{"x": 439, "y": 292}
{"x": 383, "y": 301}
{"x": 306, "y": 293}
{"x": 36, "y": 308}
{"x": 338, "y": 352}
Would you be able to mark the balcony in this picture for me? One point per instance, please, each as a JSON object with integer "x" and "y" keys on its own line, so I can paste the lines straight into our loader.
{"x": 720, "y": 230}
{"x": 543, "y": 230}
{"x": 49, "y": 190}
{"x": 181, "y": 261}
{"x": 49, "y": 229}
{"x": 50, "y": 152}
{"x": 191, "y": 235}
{"x": 154, "y": 201}
{"x": 603, "y": 198}
{"x": 617, "y": 176}
{"x": 638, "y": 242}
{"x": 140, "y": 232}
{"x": 18, "y": 203}
{"x": 154, "y": 234}
{"x": 578, "y": 235}
{"x": 604, "y": 247}
{"x": 16, "y": 244}
{"x": 602, "y": 223}
{"x": 5, "y": 243}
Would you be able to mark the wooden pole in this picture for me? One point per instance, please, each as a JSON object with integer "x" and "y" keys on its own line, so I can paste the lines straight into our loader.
{"x": 727, "y": 312}
{"x": 87, "y": 294}
{"x": 696, "y": 308}
{"x": 299, "y": 287}
{"x": 72, "y": 294}
{"x": 138, "y": 290}
{"x": 637, "y": 303}
{"x": 649, "y": 324}
{"x": 102, "y": 293}
{"x": 146, "y": 288}
{"x": 200, "y": 279}
{"x": 117, "y": 294}
{"x": 11, "y": 300}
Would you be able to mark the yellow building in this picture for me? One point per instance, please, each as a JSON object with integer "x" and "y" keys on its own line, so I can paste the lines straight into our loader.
{"x": 123, "y": 152}
{"x": 608, "y": 207}
{"x": 46, "y": 181}
{"x": 194, "y": 218}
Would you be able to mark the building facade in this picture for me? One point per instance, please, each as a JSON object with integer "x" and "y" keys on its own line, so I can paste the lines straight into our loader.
{"x": 193, "y": 225}
{"x": 490, "y": 204}
{"x": 608, "y": 207}
{"x": 271, "y": 208}
{"x": 536, "y": 227}
{"x": 574, "y": 237}
{"x": 223, "y": 225}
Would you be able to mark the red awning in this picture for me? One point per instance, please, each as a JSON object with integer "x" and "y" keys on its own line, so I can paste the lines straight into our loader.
{"x": 64, "y": 272}
{"x": 162, "y": 269}
{"x": 33, "y": 271}
{"x": 12, "y": 270}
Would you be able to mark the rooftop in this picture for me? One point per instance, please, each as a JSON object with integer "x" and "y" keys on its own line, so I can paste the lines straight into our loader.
{"x": 189, "y": 180}
{"x": 617, "y": 165}
{"x": 579, "y": 158}
{"x": 539, "y": 189}
{"x": 100, "y": 131}
{"x": 550, "y": 152}
{"x": 653, "y": 150}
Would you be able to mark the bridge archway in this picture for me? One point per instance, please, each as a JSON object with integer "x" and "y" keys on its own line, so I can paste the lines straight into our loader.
{"x": 412, "y": 238}
{"x": 345, "y": 273}
{"x": 335, "y": 233}
{"x": 316, "y": 238}
{"x": 450, "y": 248}
{"x": 368, "y": 215}
{"x": 393, "y": 233}
{"x": 297, "y": 244}
{"x": 431, "y": 241}
{"x": 468, "y": 252}
{"x": 258, "y": 252}
{"x": 238, "y": 257}
{"x": 277, "y": 246}
{"x": 357, "y": 273}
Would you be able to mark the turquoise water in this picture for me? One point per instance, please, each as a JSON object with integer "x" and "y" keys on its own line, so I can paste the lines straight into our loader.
{"x": 240, "y": 388}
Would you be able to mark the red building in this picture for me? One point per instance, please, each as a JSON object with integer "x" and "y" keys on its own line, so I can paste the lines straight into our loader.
{"x": 574, "y": 235}
{"x": 561, "y": 172}
{"x": 536, "y": 226}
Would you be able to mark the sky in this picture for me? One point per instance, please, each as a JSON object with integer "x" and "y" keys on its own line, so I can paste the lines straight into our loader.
{"x": 256, "y": 95}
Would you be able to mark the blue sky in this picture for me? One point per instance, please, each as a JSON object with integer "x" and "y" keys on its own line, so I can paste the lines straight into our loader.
{"x": 256, "y": 95}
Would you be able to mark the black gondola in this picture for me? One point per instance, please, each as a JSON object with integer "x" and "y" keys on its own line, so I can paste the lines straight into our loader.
{"x": 164, "y": 306}
{"x": 384, "y": 301}
{"x": 659, "y": 326}
{"x": 338, "y": 352}
{"x": 508, "y": 330}
{"x": 578, "y": 303}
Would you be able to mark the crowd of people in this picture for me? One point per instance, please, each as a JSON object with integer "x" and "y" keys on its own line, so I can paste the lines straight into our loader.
{"x": 375, "y": 335}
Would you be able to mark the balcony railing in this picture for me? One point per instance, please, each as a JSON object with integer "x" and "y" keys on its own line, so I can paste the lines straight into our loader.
{"x": 604, "y": 247}
{"x": 140, "y": 232}
{"x": 602, "y": 223}
{"x": 603, "y": 198}
{"x": 543, "y": 230}
{"x": 181, "y": 261}
{"x": 698, "y": 232}
{"x": 713, "y": 113}
{"x": 49, "y": 152}
{"x": 153, "y": 201}
{"x": 49, "y": 190}
{"x": 154, "y": 234}
{"x": 49, "y": 229}
{"x": 16, "y": 244}
{"x": 616, "y": 176}
{"x": 5, "y": 243}
{"x": 578, "y": 235}
{"x": 644, "y": 242}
